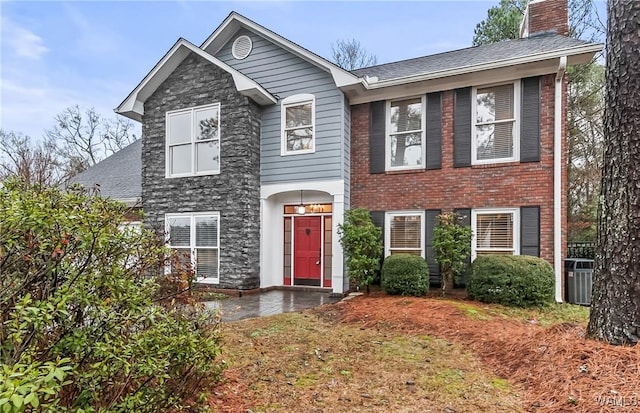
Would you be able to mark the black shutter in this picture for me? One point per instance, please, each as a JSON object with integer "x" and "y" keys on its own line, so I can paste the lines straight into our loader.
{"x": 530, "y": 120}
{"x": 530, "y": 231}
{"x": 462, "y": 128}
{"x": 431, "y": 220}
{"x": 377, "y": 217}
{"x": 376, "y": 137}
{"x": 434, "y": 131}
{"x": 378, "y": 220}
{"x": 465, "y": 214}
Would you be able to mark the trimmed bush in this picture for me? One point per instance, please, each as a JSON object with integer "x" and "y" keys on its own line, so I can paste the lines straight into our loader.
{"x": 516, "y": 281}
{"x": 405, "y": 274}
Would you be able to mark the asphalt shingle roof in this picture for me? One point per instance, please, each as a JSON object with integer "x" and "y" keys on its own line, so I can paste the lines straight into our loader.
{"x": 119, "y": 175}
{"x": 471, "y": 56}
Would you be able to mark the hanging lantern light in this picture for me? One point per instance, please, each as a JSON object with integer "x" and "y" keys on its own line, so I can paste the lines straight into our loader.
{"x": 300, "y": 209}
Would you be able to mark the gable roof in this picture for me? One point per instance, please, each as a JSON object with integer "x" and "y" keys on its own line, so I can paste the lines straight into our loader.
{"x": 118, "y": 176}
{"x": 236, "y": 21}
{"x": 133, "y": 106}
{"x": 509, "y": 52}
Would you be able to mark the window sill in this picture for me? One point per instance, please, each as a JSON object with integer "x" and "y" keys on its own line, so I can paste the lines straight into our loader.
{"x": 495, "y": 165}
{"x": 192, "y": 175}
{"x": 306, "y": 152}
{"x": 403, "y": 171}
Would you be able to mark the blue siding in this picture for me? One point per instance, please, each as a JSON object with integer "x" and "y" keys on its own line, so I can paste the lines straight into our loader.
{"x": 283, "y": 74}
{"x": 346, "y": 156}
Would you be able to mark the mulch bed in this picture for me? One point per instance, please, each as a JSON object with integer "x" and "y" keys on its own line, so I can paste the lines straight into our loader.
{"x": 557, "y": 368}
{"x": 554, "y": 369}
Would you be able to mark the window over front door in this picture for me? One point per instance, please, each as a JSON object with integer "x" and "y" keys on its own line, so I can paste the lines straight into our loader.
{"x": 193, "y": 141}
{"x": 495, "y": 232}
{"x": 298, "y": 124}
{"x": 404, "y": 233}
{"x": 495, "y": 120}
{"x": 405, "y": 134}
{"x": 196, "y": 238}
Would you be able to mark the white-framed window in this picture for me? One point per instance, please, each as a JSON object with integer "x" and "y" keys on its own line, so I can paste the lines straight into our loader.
{"x": 193, "y": 141}
{"x": 495, "y": 232}
{"x": 196, "y": 237}
{"x": 298, "y": 120}
{"x": 405, "y": 142}
{"x": 496, "y": 112}
{"x": 404, "y": 233}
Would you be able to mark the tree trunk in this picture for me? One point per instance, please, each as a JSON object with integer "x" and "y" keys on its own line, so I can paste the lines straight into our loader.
{"x": 615, "y": 305}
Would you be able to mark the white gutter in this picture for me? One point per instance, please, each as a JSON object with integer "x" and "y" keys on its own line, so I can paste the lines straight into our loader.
{"x": 557, "y": 178}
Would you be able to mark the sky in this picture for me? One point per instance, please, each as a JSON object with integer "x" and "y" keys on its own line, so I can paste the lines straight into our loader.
{"x": 94, "y": 53}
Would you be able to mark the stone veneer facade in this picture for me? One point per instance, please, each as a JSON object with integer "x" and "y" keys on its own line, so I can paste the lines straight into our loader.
{"x": 234, "y": 193}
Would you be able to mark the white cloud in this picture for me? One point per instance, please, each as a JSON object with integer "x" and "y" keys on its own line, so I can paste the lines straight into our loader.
{"x": 24, "y": 43}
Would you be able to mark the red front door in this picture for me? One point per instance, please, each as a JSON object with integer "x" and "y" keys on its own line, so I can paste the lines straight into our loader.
{"x": 307, "y": 250}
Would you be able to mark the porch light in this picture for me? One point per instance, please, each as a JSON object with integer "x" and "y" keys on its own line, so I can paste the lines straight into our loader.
{"x": 300, "y": 209}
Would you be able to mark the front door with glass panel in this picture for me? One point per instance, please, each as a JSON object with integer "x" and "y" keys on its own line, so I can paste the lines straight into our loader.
{"x": 307, "y": 251}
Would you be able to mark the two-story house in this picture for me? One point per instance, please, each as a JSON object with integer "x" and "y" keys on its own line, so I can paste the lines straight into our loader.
{"x": 253, "y": 147}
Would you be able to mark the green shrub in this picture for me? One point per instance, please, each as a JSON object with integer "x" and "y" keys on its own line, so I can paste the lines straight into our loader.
{"x": 83, "y": 328}
{"x": 451, "y": 246}
{"x": 405, "y": 274}
{"x": 517, "y": 281}
{"x": 362, "y": 244}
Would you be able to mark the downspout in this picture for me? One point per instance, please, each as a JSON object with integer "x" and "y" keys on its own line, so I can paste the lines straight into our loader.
{"x": 557, "y": 178}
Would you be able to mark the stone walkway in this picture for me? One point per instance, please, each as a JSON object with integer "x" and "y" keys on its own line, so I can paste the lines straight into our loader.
{"x": 268, "y": 303}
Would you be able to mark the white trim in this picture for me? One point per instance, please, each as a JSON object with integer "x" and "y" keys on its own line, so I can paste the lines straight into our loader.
{"x": 487, "y": 211}
{"x": 557, "y": 178}
{"x": 334, "y": 187}
{"x": 133, "y": 105}
{"x": 387, "y": 229}
{"x": 192, "y": 240}
{"x": 273, "y": 197}
{"x": 193, "y": 142}
{"x": 516, "y": 124}
{"x": 297, "y": 100}
{"x": 235, "y": 44}
{"x": 387, "y": 135}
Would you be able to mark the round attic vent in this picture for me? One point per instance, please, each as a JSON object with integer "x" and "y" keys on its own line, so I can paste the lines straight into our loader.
{"x": 241, "y": 47}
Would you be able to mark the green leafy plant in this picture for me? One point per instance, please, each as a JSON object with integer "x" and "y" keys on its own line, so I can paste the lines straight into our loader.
{"x": 405, "y": 274}
{"x": 452, "y": 247}
{"x": 362, "y": 244}
{"x": 512, "y": 280}
{"x": 83, "y": 328}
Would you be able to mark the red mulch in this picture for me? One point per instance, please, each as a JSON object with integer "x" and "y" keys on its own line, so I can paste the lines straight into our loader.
{"x": 557, "y": 368}
{"x": 553, "y": 369}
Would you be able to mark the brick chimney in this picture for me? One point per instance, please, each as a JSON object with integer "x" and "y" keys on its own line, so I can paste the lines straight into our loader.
{"x": 545, "y": 16}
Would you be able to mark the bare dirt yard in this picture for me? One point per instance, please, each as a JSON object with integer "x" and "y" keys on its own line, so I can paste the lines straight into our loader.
{"x": 382, "y": 353}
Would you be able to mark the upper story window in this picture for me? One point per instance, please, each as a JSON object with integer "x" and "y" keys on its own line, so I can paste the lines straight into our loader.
{"x": 404, "y": 233}
{"x": 496, "y": 232}
{"x": 405, "y": 134}
{"x": 495, "y": 119}
{"x": 298, "y": 124}
{"x": 193, "y": 141}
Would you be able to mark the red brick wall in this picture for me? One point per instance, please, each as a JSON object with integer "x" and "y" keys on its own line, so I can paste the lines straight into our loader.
{"x": 548, "y": 15}
{"x": 483, "y": 186}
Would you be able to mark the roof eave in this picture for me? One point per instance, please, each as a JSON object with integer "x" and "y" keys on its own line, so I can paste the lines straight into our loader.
{"x": 578, "y": 55}
{"x": 133, "y": 106}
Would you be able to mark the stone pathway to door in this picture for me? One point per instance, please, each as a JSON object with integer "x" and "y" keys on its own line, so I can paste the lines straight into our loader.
{"x": 269, "y": 303}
